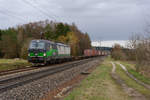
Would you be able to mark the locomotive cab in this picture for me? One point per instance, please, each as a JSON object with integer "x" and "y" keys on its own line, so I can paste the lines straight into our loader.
{"x": 44, "y": 52}
{"x": 37, "y": 51}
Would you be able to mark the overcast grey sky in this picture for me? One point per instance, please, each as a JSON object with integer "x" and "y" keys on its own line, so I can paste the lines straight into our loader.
{"x": 102, "y": 19}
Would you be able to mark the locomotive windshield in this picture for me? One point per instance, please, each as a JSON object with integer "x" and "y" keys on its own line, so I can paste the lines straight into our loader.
{"x": 37, "y": 45}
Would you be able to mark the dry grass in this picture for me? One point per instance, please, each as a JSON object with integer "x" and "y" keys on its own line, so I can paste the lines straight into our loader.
{"x": 132, "y": 83}
{"x": 8, "y": 64}
{"x": 132, "y": 70}
{"x": 99, "y": 86}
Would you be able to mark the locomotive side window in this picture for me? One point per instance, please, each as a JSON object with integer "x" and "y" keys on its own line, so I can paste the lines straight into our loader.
{"x": 59, "y": 47}
{"x": 47, "y": 47}
{"x": 55, "y": 47}
{"x": 50, "y": 46}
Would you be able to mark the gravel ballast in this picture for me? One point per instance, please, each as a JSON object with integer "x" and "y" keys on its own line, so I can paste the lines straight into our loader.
{"x": 37, "y": 89}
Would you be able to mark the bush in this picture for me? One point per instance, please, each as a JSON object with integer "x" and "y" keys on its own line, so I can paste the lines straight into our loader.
{"x": 117, "y": 53}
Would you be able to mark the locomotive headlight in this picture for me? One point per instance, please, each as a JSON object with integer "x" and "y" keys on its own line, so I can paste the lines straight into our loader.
{"x": 44, "y": 54}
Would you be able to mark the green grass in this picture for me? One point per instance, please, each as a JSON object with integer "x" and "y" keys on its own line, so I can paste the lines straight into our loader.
{"x": 109, "y": 58}
{"x": 9, "y": 64}
{"x": 98, "y": 86}
{"x": 131, "y": 70}
{"x": 131, "y": 83}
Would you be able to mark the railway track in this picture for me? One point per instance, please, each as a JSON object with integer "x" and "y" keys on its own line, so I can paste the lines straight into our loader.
{"x": 2, "y": 73}
{"x": 13, "y": 71}
{"x": 9, "y": 83}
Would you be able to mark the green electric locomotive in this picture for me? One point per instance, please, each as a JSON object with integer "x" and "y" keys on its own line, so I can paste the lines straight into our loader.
{"x": 44, "y": 52}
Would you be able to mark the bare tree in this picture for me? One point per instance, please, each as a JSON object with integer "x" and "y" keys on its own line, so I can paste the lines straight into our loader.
{"x": 139, "y": 50}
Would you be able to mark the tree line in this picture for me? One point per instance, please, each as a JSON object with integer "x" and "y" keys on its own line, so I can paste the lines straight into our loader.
{"x": 138, "y": 52}
{"x": 14, "y": 41}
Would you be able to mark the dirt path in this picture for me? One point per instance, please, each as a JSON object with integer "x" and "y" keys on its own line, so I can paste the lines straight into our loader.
{"x": 131, "y": 76}
{"x": 130, "y": 91}
{"x": 99, "y": 85}
{"x": 114, "y": 68}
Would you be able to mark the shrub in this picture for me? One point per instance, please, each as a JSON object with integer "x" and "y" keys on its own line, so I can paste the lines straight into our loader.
{"x": 117, "y": 53}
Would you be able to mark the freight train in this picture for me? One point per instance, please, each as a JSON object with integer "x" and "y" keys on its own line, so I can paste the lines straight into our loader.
{"x": 94, "y": 52}
{"x": 45, "y": 52}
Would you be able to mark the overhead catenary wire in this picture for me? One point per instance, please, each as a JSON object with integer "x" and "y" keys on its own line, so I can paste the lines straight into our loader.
{"x": 38, "y": 9}
{"x": 58, "y": 17}
{"x": 10, "y": 14}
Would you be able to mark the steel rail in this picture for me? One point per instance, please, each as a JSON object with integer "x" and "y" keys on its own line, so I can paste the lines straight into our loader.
{"x": 9, "y": 83}
{"x": 7, "y": 72}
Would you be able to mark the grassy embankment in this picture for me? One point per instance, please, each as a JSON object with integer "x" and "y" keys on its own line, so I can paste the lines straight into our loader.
{"x": 99, "y": 85}
{"x": 9, "y": 64}
{"x": 132, "y": 70}
{"x": 130, "y": 82}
